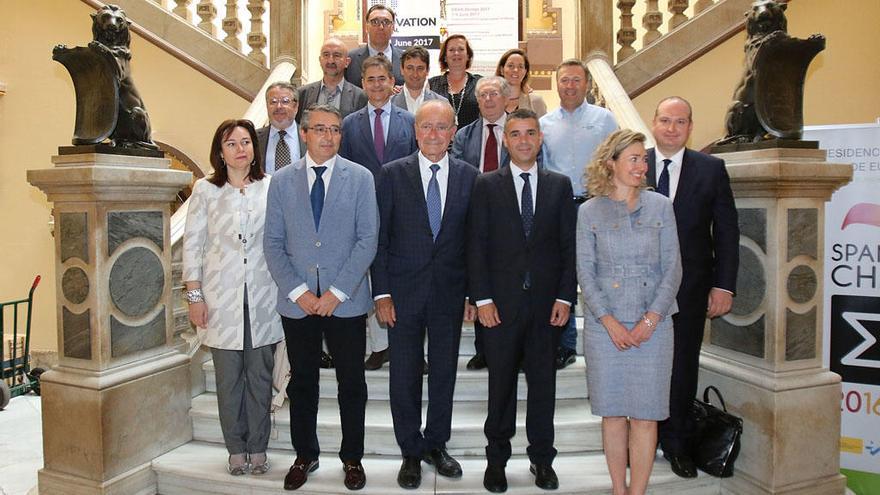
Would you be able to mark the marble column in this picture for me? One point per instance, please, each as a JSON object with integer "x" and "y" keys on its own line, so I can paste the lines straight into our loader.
{"x": 119, "y": 396}
{"x": 766, "y": 355}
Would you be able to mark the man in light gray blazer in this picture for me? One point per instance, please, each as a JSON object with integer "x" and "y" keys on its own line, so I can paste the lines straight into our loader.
{"x": 415, "y": 64}
{"x": 332, "y": 89}
{"x": 321, "y": 233}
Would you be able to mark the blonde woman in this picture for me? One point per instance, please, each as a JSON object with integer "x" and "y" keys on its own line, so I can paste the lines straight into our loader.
{"x": 629, "y": 269}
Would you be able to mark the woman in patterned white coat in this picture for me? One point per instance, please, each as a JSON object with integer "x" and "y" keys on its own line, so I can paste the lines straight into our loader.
{"x": 230, "y": 292}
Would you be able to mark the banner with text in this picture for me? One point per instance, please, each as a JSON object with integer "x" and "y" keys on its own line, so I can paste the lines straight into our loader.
{"x": 491, "y": 27}
{"x": 851, "y": 329}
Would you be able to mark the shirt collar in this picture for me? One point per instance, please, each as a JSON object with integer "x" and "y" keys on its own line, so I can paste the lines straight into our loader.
{"x": 386, "y": 108}
{"x": 500, "y": 122}
{"x": 387, "y": 51}
{"x": 339, "y": 86}
{"x": 425, "y": 164}
{"x": 517, "y": 169}
{"x": 291, "y": 131}
{"x": 676, "y": 157}
{"x": 329, "y": 163}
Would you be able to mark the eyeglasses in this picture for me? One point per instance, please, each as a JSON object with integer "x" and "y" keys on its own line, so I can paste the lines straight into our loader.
{"x": 426, "y": 128}
{"x": 488, "y": 94}
{"x": 281, "y": 101}
{"x": 323, "y": 129}
{"x": 381, "y": 22}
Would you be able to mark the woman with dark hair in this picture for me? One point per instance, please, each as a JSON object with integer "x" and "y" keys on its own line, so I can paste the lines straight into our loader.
{"x": 456, "y": 84}
{"x": 629, "y": 268}
{"x": 230, "y": 292}
{"x": 514, "y": 68}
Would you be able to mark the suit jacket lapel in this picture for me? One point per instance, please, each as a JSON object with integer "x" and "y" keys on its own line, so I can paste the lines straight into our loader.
{"x": 300, "y": 188}
{"x": 393, "y": 133}
{"x": 415, "y": 179}
{"x": 334, "y": 189}
{"x": 687, "y": 178}
{"x": 453, "y": 185}
{"x": 652, "y": 168}
{"x": 366, "y": 134}
{"x": 542, "y": 194}
{"x": 510, "y": 203}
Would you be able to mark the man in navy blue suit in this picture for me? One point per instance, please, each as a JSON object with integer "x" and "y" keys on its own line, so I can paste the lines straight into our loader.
{"x": 708, "y": 233}
{"x": 480, "y": 143}
{"x": 418, "y": 280}
{"x": 377, "y": 134}
{"x": 521, "y": 267}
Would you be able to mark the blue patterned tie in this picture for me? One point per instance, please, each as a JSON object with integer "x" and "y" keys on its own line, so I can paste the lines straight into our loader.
{"x": 433, "y": 200}
{"x": 526, "y": 209}
{"x": 663, "y": 181}
{"x": 317, "y": 195}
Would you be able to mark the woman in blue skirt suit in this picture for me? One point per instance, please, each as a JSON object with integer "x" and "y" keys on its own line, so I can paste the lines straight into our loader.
{"x": 629, "y": 269}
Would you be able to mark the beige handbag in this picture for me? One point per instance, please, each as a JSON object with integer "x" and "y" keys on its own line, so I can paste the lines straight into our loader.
{"x": 280, "y": 375}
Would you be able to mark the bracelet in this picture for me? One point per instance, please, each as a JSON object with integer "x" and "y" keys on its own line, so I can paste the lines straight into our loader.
{"x": 194, "y": 296}
{"x": 648, "y": 321}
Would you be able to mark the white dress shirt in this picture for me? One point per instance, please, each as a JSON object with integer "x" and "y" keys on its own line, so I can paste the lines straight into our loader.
{"x": 674, "y": 169}
{"x": 413, "y": 104}
{"x": 312, "y": 177}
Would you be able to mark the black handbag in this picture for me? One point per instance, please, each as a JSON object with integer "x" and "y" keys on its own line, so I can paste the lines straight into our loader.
{"x": 718, "y": 433}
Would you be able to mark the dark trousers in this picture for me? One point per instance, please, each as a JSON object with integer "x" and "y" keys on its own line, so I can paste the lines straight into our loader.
{"x": 478, "y": 336}
{"x": 676, "y": 433}
{"x": 346, "y": 342}
{"x": 531, "y": 340}
{"x": 406, "y": 344}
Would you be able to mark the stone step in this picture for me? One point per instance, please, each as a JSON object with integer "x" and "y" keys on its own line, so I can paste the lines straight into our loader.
{"x": 571, "y": 382}
{"x": 199, "y": 468}
{"x": 577, "y": 430}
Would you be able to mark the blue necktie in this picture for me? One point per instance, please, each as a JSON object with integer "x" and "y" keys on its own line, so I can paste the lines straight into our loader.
{"x": 433, "y": 200}
{"x": 526, "y": 208}
{"x": 317, "y": 195}
{"x": 663, "y": 181}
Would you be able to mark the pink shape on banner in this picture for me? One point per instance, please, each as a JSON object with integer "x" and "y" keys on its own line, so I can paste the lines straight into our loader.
{"x": 864, "y": 213}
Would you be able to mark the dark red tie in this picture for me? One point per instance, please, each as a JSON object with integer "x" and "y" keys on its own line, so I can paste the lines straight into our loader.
{"x": 490, "y": 157}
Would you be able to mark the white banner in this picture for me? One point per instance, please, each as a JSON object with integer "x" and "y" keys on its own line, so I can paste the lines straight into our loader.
{"x": 416, "y": 24}
{"x": 851, "y": 330}
{"x": 491, "y": 27}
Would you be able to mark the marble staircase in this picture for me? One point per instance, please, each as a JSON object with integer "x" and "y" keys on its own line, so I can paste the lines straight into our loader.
{"x": 198, "y": 467}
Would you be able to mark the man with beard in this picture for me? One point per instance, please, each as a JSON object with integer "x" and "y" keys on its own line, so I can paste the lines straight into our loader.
{"x": 279, "y": 141}
{"x": 332, "y": 89}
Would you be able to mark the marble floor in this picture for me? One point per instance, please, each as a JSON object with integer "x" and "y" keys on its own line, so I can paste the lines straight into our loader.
{"x": 21, "y": 446}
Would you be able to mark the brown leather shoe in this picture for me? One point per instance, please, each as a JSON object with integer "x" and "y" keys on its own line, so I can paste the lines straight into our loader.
{"x": 299, "y": 473}
{"x": 376, "y": 360}
{"x": 355, "y": 478}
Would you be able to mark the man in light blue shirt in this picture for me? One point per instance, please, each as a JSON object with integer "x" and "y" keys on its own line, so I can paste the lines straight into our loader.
{"x": 279, "y": 141}
{"x": 571, "y": 135}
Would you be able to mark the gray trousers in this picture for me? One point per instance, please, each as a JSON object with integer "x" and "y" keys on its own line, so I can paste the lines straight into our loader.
{"x": 244, "y": 394}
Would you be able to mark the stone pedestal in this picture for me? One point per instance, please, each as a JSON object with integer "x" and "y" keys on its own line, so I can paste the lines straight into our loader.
{"x": 766, "y": 355}
{"x": 119, "y": 396}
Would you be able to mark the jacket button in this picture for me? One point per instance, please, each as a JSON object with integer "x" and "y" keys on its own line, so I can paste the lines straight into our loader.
{"x": 318, "y": 244}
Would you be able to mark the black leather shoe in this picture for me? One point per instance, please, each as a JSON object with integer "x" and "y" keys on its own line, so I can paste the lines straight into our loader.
{"x": 564, "y": 357}
{"x": 443, "y": 463}
{"x": 355, "y": 477}
{"x": 376, "y": 360}
{"x": 495, "y": 480}
{"x": 299, "y": 473}
{"x": 477, "y": 362}
{"x": 410, "y": 474}
{"x": 683, "y": 466}
{"x": 545, "y": 476}
{"x": 326, "y": 360}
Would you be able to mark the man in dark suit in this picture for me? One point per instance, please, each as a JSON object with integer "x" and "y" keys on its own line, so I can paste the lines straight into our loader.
{"x": 414, "y": 63}
{"x": 332, "y": 89}
{"x": 708, "y": 233}
{"x": 373, "y": 136}
{"x": 380, "y": 27}
{"x": 521, "y": 262}
{"x": 418, "y": 279}
{"x": 480, "y": 143}
{"x": 322, "y": 227}
{"x": 279, "y": 142}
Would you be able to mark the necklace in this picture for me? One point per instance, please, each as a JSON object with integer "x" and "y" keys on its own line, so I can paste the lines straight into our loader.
{"x": 455, "y": 107}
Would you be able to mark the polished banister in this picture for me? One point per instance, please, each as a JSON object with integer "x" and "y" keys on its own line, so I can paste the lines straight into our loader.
{"x": 615, "y": 97}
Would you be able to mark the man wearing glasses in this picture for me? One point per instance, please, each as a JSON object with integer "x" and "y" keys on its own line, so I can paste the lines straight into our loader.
{"x": 321, "y": 231}
{"x": 418, "y": 279}
{"x": 380, "y": 27}
{"x": 279, "y": 141}
{"x": 332, "y": 89}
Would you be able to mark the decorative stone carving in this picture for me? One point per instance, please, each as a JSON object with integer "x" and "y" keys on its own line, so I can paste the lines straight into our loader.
{"x": 256, "y": 38}
{"x": 652, "y": 20}
{"x": 231, "y": 25}
{"x": 108, "y": 106}
{"x": 207, "y": 12}
{"x": 677, "y": 8}
{"x": 769, "y": 99}
{"x": 626, "y": 35}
